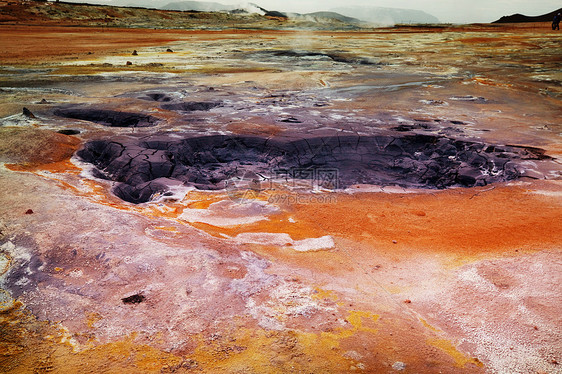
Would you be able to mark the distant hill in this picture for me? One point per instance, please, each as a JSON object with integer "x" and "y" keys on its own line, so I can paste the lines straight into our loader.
{"x": 200, "y": 6}
{"x": 518, "y": 18}
{"x": 387, "y": 16}
{"x": 150, "y": 4}
{"x": 206, "y": 6}
{"x": 325, "y": 16}
{"x": 64, "y": 13}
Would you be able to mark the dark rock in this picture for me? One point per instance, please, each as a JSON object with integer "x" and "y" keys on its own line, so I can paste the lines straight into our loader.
{"x": 128, "y": 63}
{"x": 169, "y": 50}
{"x": 27, "y": 113}
{"x": 69, "y": 132}
{"x": 43, "y": 101}
{"x": 135, "y": 53}
{"x": 29, "y": 211}
{"x": 133, "y": 299}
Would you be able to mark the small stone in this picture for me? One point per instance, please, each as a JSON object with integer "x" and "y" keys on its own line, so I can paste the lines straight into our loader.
{"x": 135, "y": 53}
{"x": 399, "y": 366}
{"x": 169, "y": 50}
{"x": 133, "y": 299}
{"x": 129, "y": 63}
{"x": 27, "y": 113}
{"x": 394, "y": 242}
{"x": 408, "y": 301}
{"x": 29, "y": 211}
{"x": 43, "y": 101}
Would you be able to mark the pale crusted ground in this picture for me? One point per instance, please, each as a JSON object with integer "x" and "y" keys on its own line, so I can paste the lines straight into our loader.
{"x": 371, "y": 279}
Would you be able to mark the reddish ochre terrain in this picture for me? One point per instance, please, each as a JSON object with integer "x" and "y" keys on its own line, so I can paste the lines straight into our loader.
{"x": 280, "y": 275}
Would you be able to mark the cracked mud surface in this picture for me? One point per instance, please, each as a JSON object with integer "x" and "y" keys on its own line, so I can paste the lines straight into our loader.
{"x": 144, "y": 167}
{"x": 170, "y": 215}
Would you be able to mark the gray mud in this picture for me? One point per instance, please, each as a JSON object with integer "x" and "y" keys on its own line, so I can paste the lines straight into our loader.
{"x": 144, "y": 167}
{"x": 110, "y": 118}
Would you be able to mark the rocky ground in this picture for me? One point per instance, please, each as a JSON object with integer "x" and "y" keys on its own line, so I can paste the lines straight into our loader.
{"x": 280, "y": 201}
{"x": 18, "y": 12}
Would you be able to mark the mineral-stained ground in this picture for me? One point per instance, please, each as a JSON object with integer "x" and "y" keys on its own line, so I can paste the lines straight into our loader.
{"x": 280, "y": 201}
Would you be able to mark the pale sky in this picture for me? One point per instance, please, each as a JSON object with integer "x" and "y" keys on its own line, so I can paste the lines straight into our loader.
{"x": 447, "y": 11}
{"x": 455, "y": 11}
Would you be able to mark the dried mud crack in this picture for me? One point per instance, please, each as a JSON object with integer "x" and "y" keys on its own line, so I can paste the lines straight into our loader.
{"x": 148, "y": 166}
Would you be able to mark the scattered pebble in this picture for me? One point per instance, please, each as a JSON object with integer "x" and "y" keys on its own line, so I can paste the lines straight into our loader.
{"x": 29, "y": 211}
{"x": 399, "y": 366}
{"x": 27, "y": 113}
{"x": 133, "y": 299}
{"x": 135, "y": 53}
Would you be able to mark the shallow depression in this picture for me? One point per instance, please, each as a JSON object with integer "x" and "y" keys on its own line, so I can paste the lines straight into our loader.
{"x": 110, "y": 118}
{"x": 144, "y": 167}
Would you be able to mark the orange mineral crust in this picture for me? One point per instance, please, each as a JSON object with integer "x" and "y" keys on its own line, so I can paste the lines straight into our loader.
{"x": 462, "y": 222}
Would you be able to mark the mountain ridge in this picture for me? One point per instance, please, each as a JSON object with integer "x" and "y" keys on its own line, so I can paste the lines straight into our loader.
{"x": 65, "y": 13}
{"x": 520, "y": 18}
{"x": 387, "y": 16}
